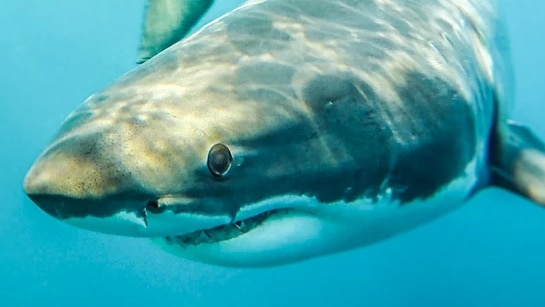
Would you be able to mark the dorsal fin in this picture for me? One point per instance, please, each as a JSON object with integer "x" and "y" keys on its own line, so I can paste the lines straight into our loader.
{"x": 518, "y": 162}
{"x": 166, "y": 22}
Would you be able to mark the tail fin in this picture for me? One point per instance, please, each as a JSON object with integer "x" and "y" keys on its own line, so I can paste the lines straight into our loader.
{"x": 518, "y": 162}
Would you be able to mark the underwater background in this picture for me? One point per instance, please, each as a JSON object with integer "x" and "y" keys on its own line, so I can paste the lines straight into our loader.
{"x": 55, "y": 53}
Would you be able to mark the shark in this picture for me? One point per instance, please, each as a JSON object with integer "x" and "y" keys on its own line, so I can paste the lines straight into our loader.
{"x": 287, "y": 130}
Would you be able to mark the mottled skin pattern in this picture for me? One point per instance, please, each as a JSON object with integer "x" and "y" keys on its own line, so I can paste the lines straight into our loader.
{"x": 334, "y": 99}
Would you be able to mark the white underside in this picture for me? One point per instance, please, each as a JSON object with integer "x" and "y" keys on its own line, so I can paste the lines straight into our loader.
{"x": 316, "y": 229}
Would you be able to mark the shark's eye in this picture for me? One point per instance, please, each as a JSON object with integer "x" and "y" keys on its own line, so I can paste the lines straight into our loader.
{"x": 219, "y": 160}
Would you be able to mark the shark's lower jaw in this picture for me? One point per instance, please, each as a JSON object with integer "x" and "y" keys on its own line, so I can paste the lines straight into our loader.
{"x": 285, "y": 235}
{"x": 224, "y": 232}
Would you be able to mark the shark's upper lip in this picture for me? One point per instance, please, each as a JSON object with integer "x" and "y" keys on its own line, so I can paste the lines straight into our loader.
{"x": 64, "y": 207}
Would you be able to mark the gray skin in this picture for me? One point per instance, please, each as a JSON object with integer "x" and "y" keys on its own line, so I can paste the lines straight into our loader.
{"x": 332, "y": 100}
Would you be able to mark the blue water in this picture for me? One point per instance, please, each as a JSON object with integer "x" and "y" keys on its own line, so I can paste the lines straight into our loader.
{"x": 55, "y": 53}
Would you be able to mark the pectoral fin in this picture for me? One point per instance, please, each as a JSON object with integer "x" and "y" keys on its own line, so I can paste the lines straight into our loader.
{"x": 168, "y": 21}
{"x": 518, "y": 162}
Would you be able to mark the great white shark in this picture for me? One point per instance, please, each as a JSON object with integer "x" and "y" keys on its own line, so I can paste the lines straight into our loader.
{"x": 291, "y": 129}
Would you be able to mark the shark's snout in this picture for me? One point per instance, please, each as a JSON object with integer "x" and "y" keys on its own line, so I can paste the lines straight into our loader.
{"x": 72, "y": 183}
{"x": 85, "y": 182}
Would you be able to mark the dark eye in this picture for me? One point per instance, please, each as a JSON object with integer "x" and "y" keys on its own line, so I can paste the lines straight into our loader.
{"x": 219, "y": 160}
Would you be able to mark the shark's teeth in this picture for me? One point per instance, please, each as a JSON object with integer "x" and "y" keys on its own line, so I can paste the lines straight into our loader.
{"x": 223, "y": 232}
{"x": 203, "y": 236}
{"x": 240, "y": 225}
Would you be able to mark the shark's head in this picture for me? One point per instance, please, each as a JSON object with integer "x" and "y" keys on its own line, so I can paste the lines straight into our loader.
{"x": 211, "y": 160}
{"x": 235, "y": 166}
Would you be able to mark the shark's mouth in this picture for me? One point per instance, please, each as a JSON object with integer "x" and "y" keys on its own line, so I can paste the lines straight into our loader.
{"x": 224, "y": 232}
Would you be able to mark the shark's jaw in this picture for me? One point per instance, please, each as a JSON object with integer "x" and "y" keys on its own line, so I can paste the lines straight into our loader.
{"x": 303, "y": 228}
{"x": 285, "y": 236}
